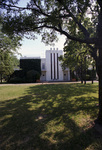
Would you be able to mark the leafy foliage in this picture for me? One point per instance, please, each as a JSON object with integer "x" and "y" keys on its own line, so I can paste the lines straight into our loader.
{"x": 32, "y": 76}
{"x": 24, "y": 76}
{"x": 60, "y": 16}
{"x": 77, "y": 20}
{"x": 8, "y": 63}
{"x": 8, "y": 49}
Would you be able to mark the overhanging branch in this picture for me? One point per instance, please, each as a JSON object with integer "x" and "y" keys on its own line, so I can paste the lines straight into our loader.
{"x": 82, "y": 28}
{"x": 87, "y": 40}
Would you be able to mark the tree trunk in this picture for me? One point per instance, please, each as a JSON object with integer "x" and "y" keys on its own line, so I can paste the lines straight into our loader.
{"x": 99, "y": 119}
{"x": 92, "y": 74}
{"x": 70, "y": 75}
{"x": 99, "y": 65}
{"x": 1, "y": 77}
{"x": 99, "y": 71}
{"x": 85, "y": 70}
{"x": 81, "y": 72}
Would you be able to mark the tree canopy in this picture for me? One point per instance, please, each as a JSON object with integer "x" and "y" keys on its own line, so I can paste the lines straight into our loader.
{"x": 76, "y": 19}
{"x": 60, "y": 15}
{"x": 8, "y": 48}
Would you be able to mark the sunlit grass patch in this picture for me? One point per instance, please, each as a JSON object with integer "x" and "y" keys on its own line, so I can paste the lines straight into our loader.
{"x": 52, "y": 117}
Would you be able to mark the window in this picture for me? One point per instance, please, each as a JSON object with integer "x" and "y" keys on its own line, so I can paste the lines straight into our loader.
{"x": 43, "y": 66}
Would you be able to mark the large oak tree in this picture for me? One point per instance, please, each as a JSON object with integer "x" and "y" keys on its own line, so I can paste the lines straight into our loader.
{"x": 68, "y": 17}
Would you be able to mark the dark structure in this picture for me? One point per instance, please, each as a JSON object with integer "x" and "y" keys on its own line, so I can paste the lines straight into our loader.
{"x": 30, "y": 71}
{"x": 30, "y": 64}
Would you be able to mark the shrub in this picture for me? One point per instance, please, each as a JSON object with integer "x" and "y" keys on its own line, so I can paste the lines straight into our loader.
{"x": 92, "y": 74}
{"x": 22, "y": 76}
{"x": 19, "y": 73}
{"x": 32, "y": 76}
{"x": 86, "y": 77}
{"x": 16, "y": 80}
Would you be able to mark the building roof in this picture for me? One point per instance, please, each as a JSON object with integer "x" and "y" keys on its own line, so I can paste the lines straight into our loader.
{"x": 30, "y": 57}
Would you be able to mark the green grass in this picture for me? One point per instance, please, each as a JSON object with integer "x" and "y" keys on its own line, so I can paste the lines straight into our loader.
{"x": 49, "y": 117}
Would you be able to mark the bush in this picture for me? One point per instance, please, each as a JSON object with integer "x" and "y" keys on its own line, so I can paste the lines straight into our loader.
{"x": 37, "y": 76}
{"x": 73, "y": 76}
{"x": 21, "y": 76}
{"x": 92, "y": 74}
{"x": 32, "y": 76}
{"x": 16, "y": 80}
{"x": 86, "y": 77}
{"x": 19, "y": 73}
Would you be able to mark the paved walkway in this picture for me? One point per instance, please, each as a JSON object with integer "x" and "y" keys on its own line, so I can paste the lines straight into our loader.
{"x": 20, "y": 84}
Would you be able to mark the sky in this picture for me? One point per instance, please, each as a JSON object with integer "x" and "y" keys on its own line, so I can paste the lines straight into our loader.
{"x": 36, "y": 48}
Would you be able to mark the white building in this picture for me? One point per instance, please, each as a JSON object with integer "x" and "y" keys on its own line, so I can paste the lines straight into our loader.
{"x": 51, "y": 69}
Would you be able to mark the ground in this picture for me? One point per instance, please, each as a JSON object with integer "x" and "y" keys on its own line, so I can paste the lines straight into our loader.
{"x": 52, "y": 116}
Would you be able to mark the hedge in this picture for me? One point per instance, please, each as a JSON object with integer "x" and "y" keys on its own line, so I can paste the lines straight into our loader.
{"x": 30, "y": 64}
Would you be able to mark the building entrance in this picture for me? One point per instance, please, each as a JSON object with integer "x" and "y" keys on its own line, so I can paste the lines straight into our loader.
{"x": 65, "y": 76}
{"x": 43, "y": 76}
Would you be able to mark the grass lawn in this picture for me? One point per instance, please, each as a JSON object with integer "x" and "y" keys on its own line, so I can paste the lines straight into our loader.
{"x": 49, "y": 117}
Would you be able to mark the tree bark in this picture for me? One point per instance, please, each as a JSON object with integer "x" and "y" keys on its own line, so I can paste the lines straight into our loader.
{"x": 99, "y": 119}
{"x": 1, "y": 77}
{"x": 81, "y": 72}
{"x": 85, "y": 70}
{"x": 99, "y": 66}
{"x": 92, "y": 76}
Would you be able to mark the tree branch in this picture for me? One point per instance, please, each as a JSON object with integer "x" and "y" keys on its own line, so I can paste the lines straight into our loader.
{"x": 83, "y": 29}
{"x": 87, "y": 40}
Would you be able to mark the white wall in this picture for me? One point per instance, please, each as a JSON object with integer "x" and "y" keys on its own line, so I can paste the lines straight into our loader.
{"x": 57, "y": 73}
{"x": 48, "y": 65}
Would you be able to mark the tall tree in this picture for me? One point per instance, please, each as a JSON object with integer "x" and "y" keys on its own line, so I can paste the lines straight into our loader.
{"x": 76, "y": 57}
{"x": 8, "y": 49}
{"x": 8, "y": 62}
{"x": 68, "y": 17}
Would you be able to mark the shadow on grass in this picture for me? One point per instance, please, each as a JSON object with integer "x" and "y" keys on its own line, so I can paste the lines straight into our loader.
{"x": 45, "y": 118}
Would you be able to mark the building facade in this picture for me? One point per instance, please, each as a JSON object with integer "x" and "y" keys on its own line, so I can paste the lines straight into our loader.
{"x": 51, "y": 69}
